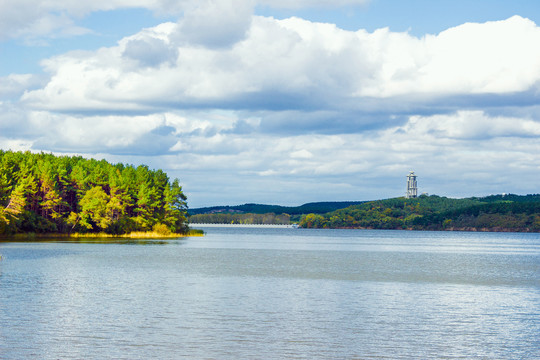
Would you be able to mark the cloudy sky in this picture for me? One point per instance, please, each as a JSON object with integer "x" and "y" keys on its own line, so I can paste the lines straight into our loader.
{"x": 282, "y": 101}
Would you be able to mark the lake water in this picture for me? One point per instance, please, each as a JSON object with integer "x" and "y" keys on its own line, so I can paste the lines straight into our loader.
{"x": 249, "y": 293}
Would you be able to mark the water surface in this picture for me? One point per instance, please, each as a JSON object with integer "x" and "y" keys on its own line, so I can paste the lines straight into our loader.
{"x": 248, "y": 293}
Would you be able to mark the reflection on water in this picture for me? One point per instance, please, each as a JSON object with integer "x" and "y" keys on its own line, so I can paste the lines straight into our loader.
{"x": 273, "y": 294}
{"x": 93, "y": 240}
{"x": 118, "y": 241}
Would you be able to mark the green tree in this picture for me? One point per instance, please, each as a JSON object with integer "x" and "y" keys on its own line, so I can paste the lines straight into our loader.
{"x": 93, "y": 215}
{"x": 42, "y": 192}
{"x": 175, "y": 208}
{"x": 18, "y": 201}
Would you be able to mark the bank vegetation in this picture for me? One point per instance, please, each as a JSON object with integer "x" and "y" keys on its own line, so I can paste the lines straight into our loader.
{"x": 492, "y": 213}
{"x": 46, "y": 194}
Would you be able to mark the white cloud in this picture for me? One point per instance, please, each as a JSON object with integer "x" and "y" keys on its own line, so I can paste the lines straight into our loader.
{"x": 115, "y": 134}
{"x": 15, "y": 144}
{"x": 494, "y": 57}
{"x": 299, "y": 63}
{"x": 215, "y": 23}
{"x": 472, "y": 125}
{"x": 301, "y": 154}
{"x": 14, "y": 85}
{"x": 151, "y": 52}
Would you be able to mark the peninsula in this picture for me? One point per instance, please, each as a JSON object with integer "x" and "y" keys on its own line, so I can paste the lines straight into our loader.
{"x": 46, "y": 194}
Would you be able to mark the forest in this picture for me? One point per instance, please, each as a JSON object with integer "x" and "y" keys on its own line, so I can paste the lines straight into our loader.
{"x": 313, "y": 207}
{"x": 241, "y": 218}
{"x": 262, "y": 214}
{"x": 492, "y": 213}
{"x": 44, "y": 193}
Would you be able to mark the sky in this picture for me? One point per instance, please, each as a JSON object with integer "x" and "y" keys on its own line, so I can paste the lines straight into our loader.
{"x": 281, "y": 101}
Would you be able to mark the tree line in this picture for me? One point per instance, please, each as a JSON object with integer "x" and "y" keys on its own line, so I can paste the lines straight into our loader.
{"x": 44, "y": 193}
{"x": 238, "y": 218}
{"x": 314, "y": 207}
{"x": 493, "y": 213}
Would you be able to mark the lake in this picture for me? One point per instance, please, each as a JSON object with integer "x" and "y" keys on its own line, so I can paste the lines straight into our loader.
{"x": 271, "y": 293}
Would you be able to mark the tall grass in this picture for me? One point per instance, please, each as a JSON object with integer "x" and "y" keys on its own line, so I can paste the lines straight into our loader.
{"x": 132, "y": 235}
{"x": 141, "y": 235}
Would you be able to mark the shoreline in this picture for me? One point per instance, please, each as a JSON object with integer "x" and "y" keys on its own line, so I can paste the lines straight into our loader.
{"x": 453, "y": 229}
{"x": 448, "y": 229}
{"x": 132, "y": 235}
{"x": 265, "y": 226}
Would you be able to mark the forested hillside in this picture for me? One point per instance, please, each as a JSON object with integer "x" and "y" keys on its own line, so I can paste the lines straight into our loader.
{"x": 493, "y": 213}
{"x": 44, "y": 193}
{"x": 262, "y": 214}
{"x": 314, "y": 207}
{"x": 241, "y": 218}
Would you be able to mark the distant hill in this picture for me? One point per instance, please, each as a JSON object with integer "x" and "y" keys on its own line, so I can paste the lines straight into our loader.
{"x": 314, "y": 207}
{"x": 506, "y": 212}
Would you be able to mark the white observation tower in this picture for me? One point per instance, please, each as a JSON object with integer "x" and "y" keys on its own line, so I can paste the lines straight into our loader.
{"x": 412, "y": 189}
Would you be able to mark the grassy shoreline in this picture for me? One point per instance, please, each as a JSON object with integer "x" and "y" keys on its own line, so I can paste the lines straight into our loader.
{"x": 132, "y": 235}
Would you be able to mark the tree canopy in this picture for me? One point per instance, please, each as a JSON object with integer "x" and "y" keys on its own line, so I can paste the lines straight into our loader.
{"x": 492, "y": 213}
{"x": 44, "y": 193}
{"x": 314, "y": 207}
{"x": 237, "y": 218}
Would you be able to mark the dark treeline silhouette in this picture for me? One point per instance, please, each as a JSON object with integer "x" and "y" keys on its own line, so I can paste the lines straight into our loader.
{"x": 314, "y": 207}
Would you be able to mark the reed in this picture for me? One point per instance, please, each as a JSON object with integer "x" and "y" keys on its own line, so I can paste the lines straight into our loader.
{"x": 132, "y": 235}
{"x": 140, "y": 235}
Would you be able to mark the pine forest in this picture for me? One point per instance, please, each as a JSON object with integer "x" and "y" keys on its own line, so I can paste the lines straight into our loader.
{"x": 44, "y": 193}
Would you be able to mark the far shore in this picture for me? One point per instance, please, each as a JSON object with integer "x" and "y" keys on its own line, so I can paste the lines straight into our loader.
{"x": 265, "y": 226}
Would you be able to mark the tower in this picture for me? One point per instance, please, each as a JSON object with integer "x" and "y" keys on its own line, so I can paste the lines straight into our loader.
{"x": 412, "y": 189}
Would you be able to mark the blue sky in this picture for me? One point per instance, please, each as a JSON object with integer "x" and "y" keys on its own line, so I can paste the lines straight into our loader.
{"x": 282, "y": 102}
